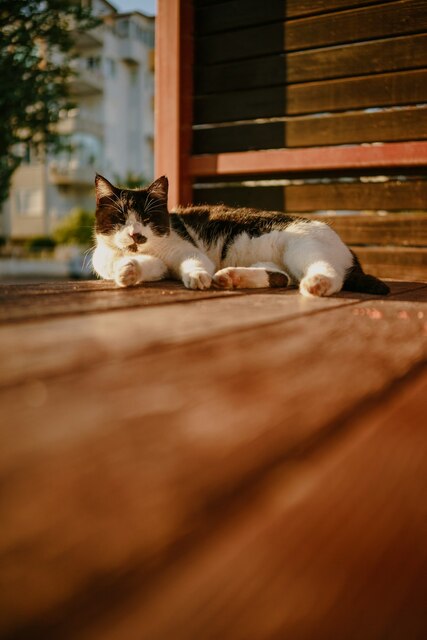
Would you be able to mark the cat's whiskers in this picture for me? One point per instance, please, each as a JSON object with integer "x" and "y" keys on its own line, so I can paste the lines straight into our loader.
{"x": 153, "y": 204}
{"x": 117, "y": 205}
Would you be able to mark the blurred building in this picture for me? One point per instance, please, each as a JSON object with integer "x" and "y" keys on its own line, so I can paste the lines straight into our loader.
{"x": 111, "y": 129}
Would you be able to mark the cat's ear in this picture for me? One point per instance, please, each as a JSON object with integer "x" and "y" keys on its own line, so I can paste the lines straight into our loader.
{"x": 103, "y": 188}
{"x": 159, "y": 188}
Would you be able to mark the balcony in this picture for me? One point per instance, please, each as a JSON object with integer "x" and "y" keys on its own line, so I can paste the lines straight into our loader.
{"x": 87, "y": 81}
{"x": 88, "y": 39}
{"x": 80, "y": 124}
{"x": 129, "y": 51}
{"x": 71, "y": 174}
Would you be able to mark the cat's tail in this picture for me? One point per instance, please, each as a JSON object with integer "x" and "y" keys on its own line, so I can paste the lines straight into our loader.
{"x": 359, "y": 281}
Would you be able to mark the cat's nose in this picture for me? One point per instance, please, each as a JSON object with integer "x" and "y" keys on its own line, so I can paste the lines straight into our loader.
{"x": 138, "y": 238}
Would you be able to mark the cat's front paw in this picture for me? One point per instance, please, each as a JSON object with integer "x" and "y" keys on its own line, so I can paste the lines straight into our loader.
{"x": 127, "y": 273}
{"x": 197, "y": 280}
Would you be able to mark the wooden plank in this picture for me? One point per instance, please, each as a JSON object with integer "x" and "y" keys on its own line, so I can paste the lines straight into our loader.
{"x": 353, "y": 25}
{"x": 295, "y": 8}
{"x": 394, "y": 54}
{"x": 396, "y": 262}
{"x": 240, "y": 105}
{"x": 405, "y": 87}
{"x": 398, "y": 18}
{"x": 310, "y": 131}
{"x": 142, "y": 466}
{"x": 21, "y": 303}
{"x": 269, "y": 199}
{"x": 174, "y": 46}
{"x": 382, "y": 90}
{"x": 392, "y": 195}
{"x": 235, "y": 14}
{"x": 393, "y": 154}
{"x": 68, "y": 344}
{"x": 298, "y": 8}
{"x": 64, "y": 344}
{"x": 393, "y": 229}
{"x": 329, "y": 545}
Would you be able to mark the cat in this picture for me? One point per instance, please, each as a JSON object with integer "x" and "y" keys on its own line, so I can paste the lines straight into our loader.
{"x": 139, "y": 240}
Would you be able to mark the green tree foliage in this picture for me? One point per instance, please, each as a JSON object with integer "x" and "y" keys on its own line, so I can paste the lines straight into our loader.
{"x": 38, "y": 244}
{"x": 36, "y": 41}
{"x": 77, "y": 228}
{"x": 132, "y": 180}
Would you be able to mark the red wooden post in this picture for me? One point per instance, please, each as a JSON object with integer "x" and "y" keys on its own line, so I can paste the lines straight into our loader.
{"x": 174, "y": 92}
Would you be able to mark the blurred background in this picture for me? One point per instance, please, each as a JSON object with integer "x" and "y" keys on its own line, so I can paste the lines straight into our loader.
{"x": 101, "y": 101}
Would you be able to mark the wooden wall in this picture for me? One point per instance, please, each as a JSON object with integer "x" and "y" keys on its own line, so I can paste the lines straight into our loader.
{"x": 314, "y": 107}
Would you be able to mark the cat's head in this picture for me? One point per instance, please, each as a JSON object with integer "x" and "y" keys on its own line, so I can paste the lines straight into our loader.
{"x": 127, "y": 218}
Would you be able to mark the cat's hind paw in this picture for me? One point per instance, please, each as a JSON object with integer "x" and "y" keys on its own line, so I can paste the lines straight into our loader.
{"x": 197, "y": 280}
{"x": 127, "y": 273}
{"x": 317, "y": 285}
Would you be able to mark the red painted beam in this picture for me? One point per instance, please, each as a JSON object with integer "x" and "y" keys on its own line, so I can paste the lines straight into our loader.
{"x": 173, "y": 100}
{"x": 384, "y": 155}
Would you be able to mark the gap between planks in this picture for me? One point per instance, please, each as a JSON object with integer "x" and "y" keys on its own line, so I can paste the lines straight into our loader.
{"x": 59, "y": 345}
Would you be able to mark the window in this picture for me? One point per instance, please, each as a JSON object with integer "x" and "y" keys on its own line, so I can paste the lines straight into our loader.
{"x": 93, "y": 63}
{"x": 110, "y": 67}
{"x": 29, "y": 202}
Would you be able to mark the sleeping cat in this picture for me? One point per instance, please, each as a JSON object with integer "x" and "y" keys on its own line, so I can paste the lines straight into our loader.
{"x": 138, "y": 240}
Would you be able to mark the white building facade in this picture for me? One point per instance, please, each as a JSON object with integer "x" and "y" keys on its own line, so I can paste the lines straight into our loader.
{"x": 111, "y": 129}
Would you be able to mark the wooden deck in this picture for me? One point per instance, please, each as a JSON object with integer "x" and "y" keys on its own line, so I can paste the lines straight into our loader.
{"x": 212, "y": 465}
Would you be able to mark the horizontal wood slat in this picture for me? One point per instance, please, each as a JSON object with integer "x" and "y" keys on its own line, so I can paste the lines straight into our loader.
{"x": 355, "y": 127}
{"x": 392, "y": 89}
{"x": 407, "y": 52}
{"x": 403, "y": 156}
{"x": 353, "y": 25}
{"x": 298, "y": 8}
{"x": 402, "y": 229}
{"x": 397, "y": 262}
{"x": 211, "y": 17}
{"x": 391, "y": 195}
{"x": 404, "y": 52}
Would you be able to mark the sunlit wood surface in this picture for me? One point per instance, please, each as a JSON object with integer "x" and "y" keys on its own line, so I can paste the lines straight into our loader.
{"x": 212, "y": 465}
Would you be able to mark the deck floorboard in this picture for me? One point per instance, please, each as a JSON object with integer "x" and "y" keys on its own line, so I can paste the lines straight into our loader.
{"x": 150, "y": 425}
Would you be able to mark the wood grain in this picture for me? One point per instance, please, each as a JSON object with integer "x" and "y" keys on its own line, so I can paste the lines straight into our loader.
{"x": 24, "y": 302}
{"x": 395, "y": 18}
{"x": 387, "y": 157}
{"x": 388, "y": 195}
{"x": 382, "y": 90}
{"x": 395, "y": 229}
{"x": 307, "y": 131}
{"x": 235, "y": 14}
{"x": 395, "y": 262}
{"x": 134, "y": 459}
{"x": 65, "y": 344}
{"x": 394, "y": 54}
{"x": 331, "y": 545}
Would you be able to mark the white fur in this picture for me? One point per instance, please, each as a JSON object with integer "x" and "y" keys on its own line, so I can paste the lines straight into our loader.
{"x": 311, "y": 252}
{"x": 254, "y": 277}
